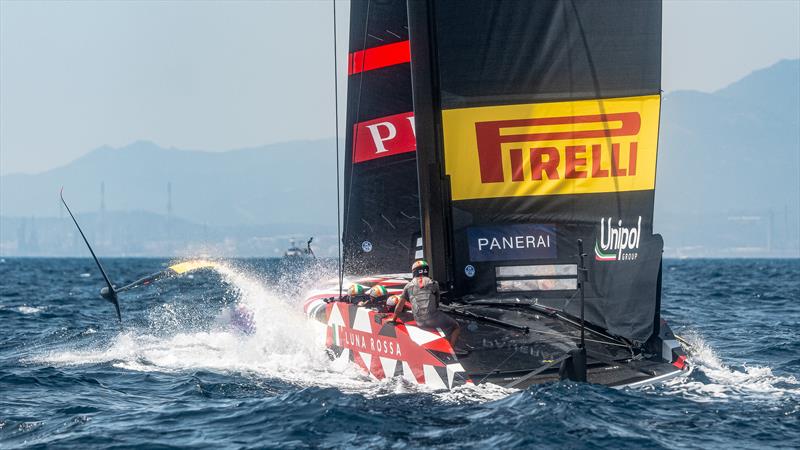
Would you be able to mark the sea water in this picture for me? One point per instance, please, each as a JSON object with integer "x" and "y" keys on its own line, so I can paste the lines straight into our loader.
{"x": 178, "y": 374}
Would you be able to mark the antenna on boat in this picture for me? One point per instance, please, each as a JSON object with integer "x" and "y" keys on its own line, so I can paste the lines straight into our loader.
{"x": 336, "y": 130}
{"x": 583, "y": 278}
{"x": 578, "y": 356}
{"x": 108, "y": 293}
{"x": 573, "y": 367}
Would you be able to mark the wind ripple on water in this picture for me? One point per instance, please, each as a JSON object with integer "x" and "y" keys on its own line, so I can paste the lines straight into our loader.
{"x": 179, "y": 373}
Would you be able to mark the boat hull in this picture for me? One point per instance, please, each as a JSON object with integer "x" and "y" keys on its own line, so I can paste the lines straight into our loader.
{"x": 515, "y": 346}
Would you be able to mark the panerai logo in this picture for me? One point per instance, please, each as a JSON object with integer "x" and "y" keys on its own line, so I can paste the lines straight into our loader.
{"x": 617, "y": 242}
{"x": 511, "y": 242}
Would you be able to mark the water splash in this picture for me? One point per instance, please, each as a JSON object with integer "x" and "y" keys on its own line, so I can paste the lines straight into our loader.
{"x": 712, "y": 379}
{"x": 24, "y": 309}
{"x": 286, "y": 345}
{"x": 283, "y": 345}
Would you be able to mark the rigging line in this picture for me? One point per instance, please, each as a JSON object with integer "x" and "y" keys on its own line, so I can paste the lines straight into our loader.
{"x": 358, "y": 108}
{"x": 488, "y": 374}
{"x": 610, "y": 341}
{"x": 600, "y": 101}
{"x": 336, "y": 133}
{"x": 357, "y": 116}
{"x": 570, "y": 338}
{"x": 566, "y": 337}
{"x": 533, "y": 373}
{"x": 568, "y": 320}
{"x": 569, "y": 300}
{"x": 570, "y": 71}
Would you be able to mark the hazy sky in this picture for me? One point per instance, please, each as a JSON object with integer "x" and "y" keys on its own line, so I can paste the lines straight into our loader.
{"x": 216, "y": 76}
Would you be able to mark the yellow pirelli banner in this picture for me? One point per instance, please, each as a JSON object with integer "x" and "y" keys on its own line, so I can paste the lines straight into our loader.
{"x": 575, "y": 147}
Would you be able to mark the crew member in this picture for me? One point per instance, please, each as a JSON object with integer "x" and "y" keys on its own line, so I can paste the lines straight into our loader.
{"x": 391, "y": 302}
{"x": 356, "y": 293}
{"x": 377, "y": 299}
{"x": 423, "y": 293}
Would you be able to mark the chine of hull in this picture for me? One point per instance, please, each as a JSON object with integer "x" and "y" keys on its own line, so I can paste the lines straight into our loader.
{"x": 624, "y": 374}
{"x": 510, "y": 347}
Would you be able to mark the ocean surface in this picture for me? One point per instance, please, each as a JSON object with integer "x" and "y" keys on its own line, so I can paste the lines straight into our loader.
{"x": 179, "y": 375}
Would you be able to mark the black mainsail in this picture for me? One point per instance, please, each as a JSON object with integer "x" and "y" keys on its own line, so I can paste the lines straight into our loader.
{"x": 537, "y": 125}
{"x": 530, "y": 127}
{"x": 381, "y": 217}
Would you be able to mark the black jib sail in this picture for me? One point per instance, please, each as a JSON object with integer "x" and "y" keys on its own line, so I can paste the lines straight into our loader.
{"x": 537, "y": 125}
{"x": 381, "y": 227}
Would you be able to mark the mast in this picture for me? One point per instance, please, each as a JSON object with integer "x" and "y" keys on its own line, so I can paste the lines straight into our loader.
{"x": 427, "y": 118}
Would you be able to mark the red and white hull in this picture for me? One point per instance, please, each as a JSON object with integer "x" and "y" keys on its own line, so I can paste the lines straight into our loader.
{"x": 384, "y": 349}
{"x": 509, "y": 346}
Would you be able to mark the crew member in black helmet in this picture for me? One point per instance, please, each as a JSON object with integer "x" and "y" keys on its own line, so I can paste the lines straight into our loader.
{"x": 424, "y": 294}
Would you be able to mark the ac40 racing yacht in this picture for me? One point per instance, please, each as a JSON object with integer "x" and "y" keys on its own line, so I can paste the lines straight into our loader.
{"x": 512, "y": 145}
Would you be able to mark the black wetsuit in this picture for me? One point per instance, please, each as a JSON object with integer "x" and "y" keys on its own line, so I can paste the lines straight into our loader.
{"x": 423, "y": 293}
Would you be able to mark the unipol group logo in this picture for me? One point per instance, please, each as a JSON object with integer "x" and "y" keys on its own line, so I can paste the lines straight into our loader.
{"x": 617, "y": 241}
{"x": 552, "y": 148}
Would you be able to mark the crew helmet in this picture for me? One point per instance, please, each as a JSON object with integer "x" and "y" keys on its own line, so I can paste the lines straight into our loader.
{"x": 378, "y": 291}
{"x": 356, "y": 289}
{"x": 419, "y": 268}
{"x": 392, "y": 300}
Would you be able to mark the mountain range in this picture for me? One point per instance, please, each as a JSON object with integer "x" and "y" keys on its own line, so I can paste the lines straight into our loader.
{"x": 293, "y": 182}
{"x": 728, "y": 181}
{"x": 728, "y": 175}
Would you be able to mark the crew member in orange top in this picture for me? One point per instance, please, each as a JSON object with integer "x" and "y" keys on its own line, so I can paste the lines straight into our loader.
{"x": 424, "y": 294}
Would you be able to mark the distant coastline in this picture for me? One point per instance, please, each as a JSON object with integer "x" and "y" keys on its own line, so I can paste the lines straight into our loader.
{"x": 728, "y": 185}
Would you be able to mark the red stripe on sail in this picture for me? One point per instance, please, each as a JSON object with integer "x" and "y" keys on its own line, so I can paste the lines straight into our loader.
{"x": 378, "y": 57}
{"x": 385, "y": 136}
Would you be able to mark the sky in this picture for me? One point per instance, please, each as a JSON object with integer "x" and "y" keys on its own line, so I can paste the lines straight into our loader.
{"x": 216, "y": 76}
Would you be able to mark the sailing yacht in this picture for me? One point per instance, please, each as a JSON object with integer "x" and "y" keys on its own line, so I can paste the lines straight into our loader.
{"x": 512, "y": 145}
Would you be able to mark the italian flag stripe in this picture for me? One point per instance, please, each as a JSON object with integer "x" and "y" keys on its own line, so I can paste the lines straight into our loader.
{"x": 600, "y": 256}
